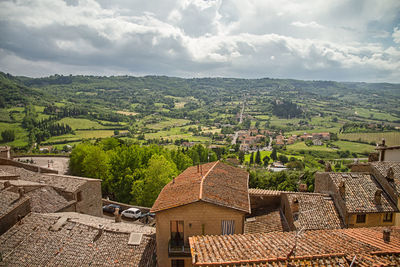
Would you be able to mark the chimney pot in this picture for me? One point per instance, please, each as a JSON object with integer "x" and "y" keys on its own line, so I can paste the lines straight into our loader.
{"x": 303, "y": 188}
{"x": 342, "y": 189}
{"x": 117, "y": 215}
{"x": 378, "y": 196}
{"x": 21, "y": 192}
{"x": 386, "y": 235}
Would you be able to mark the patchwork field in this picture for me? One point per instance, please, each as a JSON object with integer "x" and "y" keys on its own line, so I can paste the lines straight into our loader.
{"x": 392, "y": 138}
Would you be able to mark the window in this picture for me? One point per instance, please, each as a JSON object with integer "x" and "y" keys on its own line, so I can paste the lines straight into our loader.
{"x": 228, "y": 227}
{"x": 177, "y": 234}
{"x": 388, "y": 217}
{"x": 361, "y": 218}
{"x": 178, "y": 263}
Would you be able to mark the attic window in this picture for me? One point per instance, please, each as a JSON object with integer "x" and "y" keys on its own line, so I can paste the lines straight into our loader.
{"x": 388, "y": 217}
{"x": 361, "y": 218}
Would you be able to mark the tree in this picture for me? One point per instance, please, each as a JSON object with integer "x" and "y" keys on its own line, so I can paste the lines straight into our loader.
{"x": 274, "y": 156}
{"x": 8, "y": 135}
{"x": 283, "y": 159}
{"x": 258, "y": 157}
{"x": 266, "y": 160}
{"x": 252, "y": 158}
{"x": 159, "y": 172}
{"x": 241, "y": 156}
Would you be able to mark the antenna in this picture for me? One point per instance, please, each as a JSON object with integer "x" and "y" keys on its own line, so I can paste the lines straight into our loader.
{"x": 293, "y": 250}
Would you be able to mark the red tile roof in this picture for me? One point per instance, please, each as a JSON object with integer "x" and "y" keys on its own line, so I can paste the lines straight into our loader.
{"x": 360, "y": 190}
{"x": 265, "y": 192}
{"x": 316, "y": 247}
{"x": 214, "y": 182}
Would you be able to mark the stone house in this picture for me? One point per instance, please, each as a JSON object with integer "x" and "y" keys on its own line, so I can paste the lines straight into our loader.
{"x": 359, "y": 198}
{"x": 5, "y": 152}
{"x": 208, "y": 199}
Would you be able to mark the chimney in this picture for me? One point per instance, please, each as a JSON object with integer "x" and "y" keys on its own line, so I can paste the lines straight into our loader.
{"x": 201, "y": 170}
{"x": 117, "y": 215}
{"x": 378, "y": 196}
{"x": 390, "y": 175}
{"x": 342, "y": 189}
{"x": 383, "y": 142}
{"x": 6, "y": 184}
{"x": 21, "y": 192}
{"x": 198, "y": 168}
{"x": 295, "y": 205}
{"x": 386, "y": 235}
{"x": 328, "y": 167}
{"x": 303, "y": 188}
{"x": 173, "y": 180}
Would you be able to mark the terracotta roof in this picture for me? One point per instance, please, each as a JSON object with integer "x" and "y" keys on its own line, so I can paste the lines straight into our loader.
{"x": 43, "y": 240}
{"x": 46, "y": 199}
{"x": 382, "y": 167}
{"x": 316, "y": 211}
{"x": 263, "y": 249}
{"x": 215, "y": 183}
{"x": 9, "y": 201}
{"x": 264, "y": 192}
{"x": 360, "y": 190}
{"x": 269, "y": 221}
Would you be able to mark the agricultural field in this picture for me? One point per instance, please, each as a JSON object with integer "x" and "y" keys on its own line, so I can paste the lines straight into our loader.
{"x": 167, "y": 122}
{"x": 342, "y": 145}
{"x": 391, "y": 138}
{"x": 77, "y": 124}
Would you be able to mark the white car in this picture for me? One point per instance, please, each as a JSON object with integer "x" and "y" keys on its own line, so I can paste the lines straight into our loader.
{"x": 132, "y": 213}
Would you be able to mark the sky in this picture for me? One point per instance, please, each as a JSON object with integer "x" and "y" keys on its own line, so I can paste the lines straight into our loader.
{"x": 354, "y": 40}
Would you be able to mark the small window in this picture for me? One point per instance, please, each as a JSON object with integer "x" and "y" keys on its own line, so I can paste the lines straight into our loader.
{"x": 178, "y": 263}
{"x": 228, "y": 227}
{"x": 388, "y": 217}
{"x": 361, "y": 218}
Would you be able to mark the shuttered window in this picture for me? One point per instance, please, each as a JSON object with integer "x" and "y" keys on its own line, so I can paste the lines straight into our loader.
{"x": 228, "y": 227}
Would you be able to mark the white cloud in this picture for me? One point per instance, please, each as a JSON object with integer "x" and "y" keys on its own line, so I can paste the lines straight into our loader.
{"x": 316, "y": 39}
{"x": 311, "y": 24}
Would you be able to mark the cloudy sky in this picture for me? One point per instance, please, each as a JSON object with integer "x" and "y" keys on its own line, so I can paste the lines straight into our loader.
{"x": 352, "y": 40}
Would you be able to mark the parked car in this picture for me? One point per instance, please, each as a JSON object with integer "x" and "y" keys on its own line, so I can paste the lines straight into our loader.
{"x": 110, "y": 208}
{"x": 132, "y": 213}
{"x": 150, "y": 214}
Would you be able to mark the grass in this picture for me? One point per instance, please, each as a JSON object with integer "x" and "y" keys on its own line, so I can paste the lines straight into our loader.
{"x": 176, "y": 133}
{"x": 343, "y": 145}
{"x": 4, "y": 115}
{"x": 21, "y": 135}
{"x": 392, "y": 138}
{"x": 127, "y": 113}
{"x": 83, "y": 134}
{"x": 374, "y": 114}
{"x": 168, "y": 122}
{"x": 77, "y": 124}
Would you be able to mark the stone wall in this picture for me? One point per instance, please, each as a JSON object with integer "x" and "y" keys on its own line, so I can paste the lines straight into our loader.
{"x": 12, "y": 217}
{"x": 29, "y": 167}
{"x": 88, "y": 198}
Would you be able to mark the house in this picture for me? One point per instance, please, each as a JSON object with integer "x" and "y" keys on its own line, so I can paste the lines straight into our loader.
{"x": 70, "y": 193}
{"x": 359, "y": 198}
{"x": 73, "y": 239}
{"x": 387, "y": 174}
{"x": 378, "y": 246}
{"x": 388, "y": 153}
{"x": 317, "y": 142}
{"x": 208, "y": 199}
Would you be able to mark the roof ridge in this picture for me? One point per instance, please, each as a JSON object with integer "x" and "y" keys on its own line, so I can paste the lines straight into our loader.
{"x": 203, "y": 178}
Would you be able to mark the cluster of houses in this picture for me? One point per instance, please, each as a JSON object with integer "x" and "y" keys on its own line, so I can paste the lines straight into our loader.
{"x": 208, "y": 216}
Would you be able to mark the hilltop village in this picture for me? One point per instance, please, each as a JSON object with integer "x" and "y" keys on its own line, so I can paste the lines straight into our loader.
{"x": 206, "y": 216}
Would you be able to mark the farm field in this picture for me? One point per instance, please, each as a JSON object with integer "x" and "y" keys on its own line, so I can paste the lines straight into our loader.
{"x": 168, "y": 122}
{"x": 77, "y": 124}
{"x": 81, "y": 134}
{"x": 391, "y": 138}
{"x": 343, "y": 145}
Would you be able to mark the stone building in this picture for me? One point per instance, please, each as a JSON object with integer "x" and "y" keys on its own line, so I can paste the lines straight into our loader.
{"x": 5, "y": 152}
{"x": 210, "y": 199}
{"x": 63, "y": 193}
{"x": 359, "y": 198}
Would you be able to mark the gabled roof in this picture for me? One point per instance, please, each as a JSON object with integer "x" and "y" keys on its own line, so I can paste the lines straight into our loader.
{"x": 266, "y": 192}
{"x": 46, "y": 199}
{"x": 213, "y": 182}
{"x": 383, "y": 167}
{"x": 315, "y": 248}
{"x": 9, "y": 201}
{"x": 360, "y": 190}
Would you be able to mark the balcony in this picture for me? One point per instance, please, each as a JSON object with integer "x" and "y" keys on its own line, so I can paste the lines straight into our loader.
{"x": 178, "y": 249}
